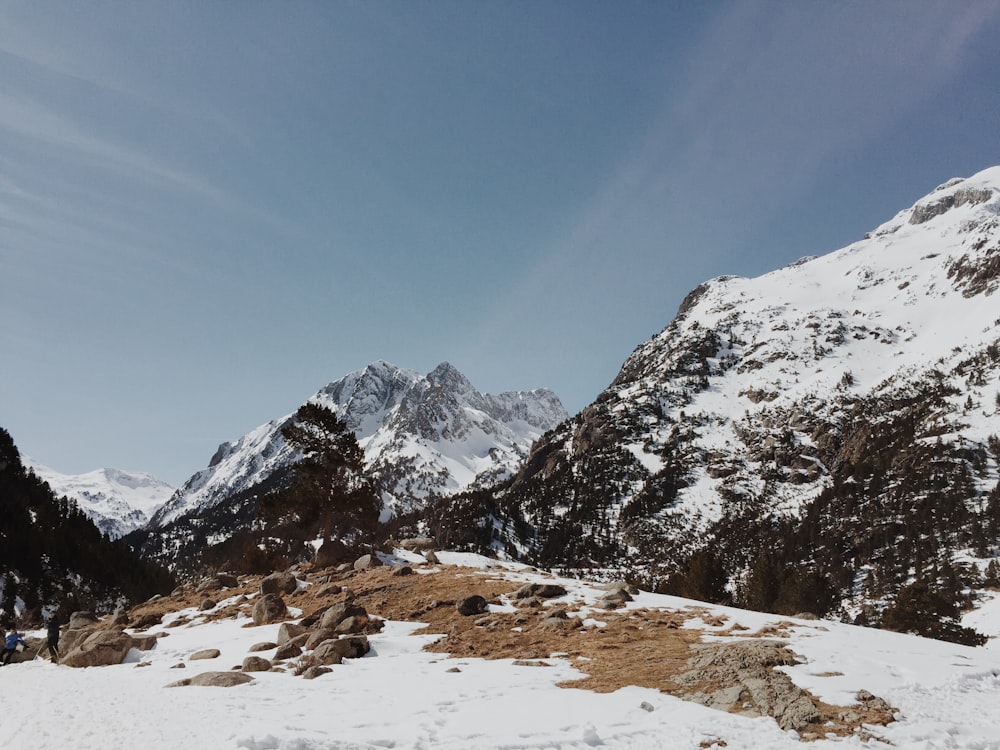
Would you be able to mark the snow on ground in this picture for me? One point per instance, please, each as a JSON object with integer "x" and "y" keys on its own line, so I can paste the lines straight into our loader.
{"x": 400, "y": 696}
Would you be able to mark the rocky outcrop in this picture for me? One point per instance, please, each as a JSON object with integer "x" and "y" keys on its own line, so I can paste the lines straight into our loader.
{"x": 97, "y": 648}
{"x": 741, "y": 678}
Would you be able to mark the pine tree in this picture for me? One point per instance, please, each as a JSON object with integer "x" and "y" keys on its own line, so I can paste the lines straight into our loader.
{"x": 329, "y": 494}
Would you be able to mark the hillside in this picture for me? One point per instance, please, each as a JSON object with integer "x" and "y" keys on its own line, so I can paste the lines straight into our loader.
{"x": 813, "y": 439}
{"x": 545, "y": 662}
{"x": 53, "y": 557}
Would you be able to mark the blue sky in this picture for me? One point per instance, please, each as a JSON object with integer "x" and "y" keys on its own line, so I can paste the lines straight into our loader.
{"x": 209, "y": 210}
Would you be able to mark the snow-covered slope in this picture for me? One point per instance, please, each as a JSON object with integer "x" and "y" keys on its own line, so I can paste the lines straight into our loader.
{"x": 836, "y": 414}
{"x": 422, "y": 436}
{"x": 117, "y": 501}
{"x": 401, "y": 696}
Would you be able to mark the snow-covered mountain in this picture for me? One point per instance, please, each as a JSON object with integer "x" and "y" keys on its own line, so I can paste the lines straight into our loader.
{"x": 117, "y": 501}
{"x": 838, "y": 416}
{"x": 423, "y": 436}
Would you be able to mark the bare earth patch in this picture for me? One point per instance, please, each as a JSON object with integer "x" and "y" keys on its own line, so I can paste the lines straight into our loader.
{"x": 640, "y": 647}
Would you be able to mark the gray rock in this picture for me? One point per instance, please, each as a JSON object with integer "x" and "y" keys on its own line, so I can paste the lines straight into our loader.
{"x": 80, "y": 620}
{"x": 315, "y": 671}
{"x": 331, "y": 553}
{"x": 279, "y": 583}
{"x": 336, "y": 613}
{"x": 288, "y": 631}
{"x": 214, "y": 679}
{"x": 367, "y": 561}
{"x": 269, "y": 608}
{"x": 418, "y": 544}
{"x": 352, "y": 624}
{"x": 471, "y": 605}
{"x": 263, "y": 646}
{"x": 540, "y": 590}
{"x": 288, "y": 651}
{"x": 206, "y": 604}
{"x": 205, "y": 653}
{"x": 99, "y": 648}
{"x": 256, "y": 664}
{"x": 317, "y": 637}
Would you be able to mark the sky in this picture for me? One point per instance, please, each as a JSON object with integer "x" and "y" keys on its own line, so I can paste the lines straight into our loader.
{"x": 209, "y": 210}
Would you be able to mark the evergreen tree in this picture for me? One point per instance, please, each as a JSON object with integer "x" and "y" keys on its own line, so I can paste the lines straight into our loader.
{"x": 329, "y": 495}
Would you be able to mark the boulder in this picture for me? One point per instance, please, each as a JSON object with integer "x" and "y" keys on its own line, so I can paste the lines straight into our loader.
{"x": 352, "y": 624}
{"x": 214, "y": 679}
{"x": 288, "y": 651}
{"x": 366, "y": 562}
{"x": 279, "y": 583}
{"x": 402, "y": 570}
{"x": 330, "y": 553}
{"x": 256, "y": 664}
{"x": 326, "y": 653}
{"x": 329, "y": 589}
{"x": 315, "y": 671}
{"x": 147, "y": 620}
{"x": 471, "y": 605}
{"x": 205, "y": 653}
{"x": 226, "y": 580}
{"x": 540, "y": 590}
{"x": 289, "y": 630}
{"x": 348, "y": 647}
{"x": 318, "y": 636}
{"x": 268, "y": 608}
{"x": 336, "y": 613}
{"x": 418, "y": 544}
{"x": 99, "y": 648}
{"x": 206, "y": 604}
{"x": 144, "y": 642}
{"x": 263, "y": 646}
{"x": 81, "y": 620}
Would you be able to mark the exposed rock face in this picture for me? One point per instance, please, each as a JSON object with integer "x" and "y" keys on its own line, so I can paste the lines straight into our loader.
{"x": 279, "y": 583}
{"x": 750, "y": 684}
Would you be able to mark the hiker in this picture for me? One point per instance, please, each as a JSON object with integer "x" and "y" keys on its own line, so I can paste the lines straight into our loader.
{"x": 52, "y": 628}
{"x": 10, "y": 645}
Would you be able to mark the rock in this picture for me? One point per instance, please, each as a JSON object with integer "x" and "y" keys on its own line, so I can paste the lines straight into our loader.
{"x": 318, "y": 636}
{"x": 279, "y": 583}
{"x": 99, "y": 648}
{"x": 402, "y": 570}
{"x": 365, "y": 562}
{"x": 81, "y": 620}
{"x": 147, "y": 620}
{"x": 352, "y": 624}
{"x": 206, "y": 604}
{"x": 263, "y": 646}
{"x": 741, "y": 677}
{"x": 625, "y": 586}
{"x": 288, "y": 651}
{"x": 205, "y": 653}
{"x": 120, "y": 619}
{"x": 256, "y": 664}
{"x": 227, "y": 581}
{"x": 648, "y": 707}
{"x": 540, "y": 590}
{"x": 329, "y": 589}
{"x": 268, "y": 608}
{"x": 418, "y": 544}
{"x": 214, "y": 679}
{"x": 144, "y": 642}
{"x": 289, "y": 630}
{"x": 471, "y": 605}
{"x": 326, "y": 653}
{"x": 333, "y": 552}
{"x": 315, "y": 671}
{"x": 352, "y": 646}
{"x": 336, "y": 613}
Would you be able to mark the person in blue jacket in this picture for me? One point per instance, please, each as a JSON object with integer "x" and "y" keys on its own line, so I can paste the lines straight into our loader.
{"x": 10, "y": 646}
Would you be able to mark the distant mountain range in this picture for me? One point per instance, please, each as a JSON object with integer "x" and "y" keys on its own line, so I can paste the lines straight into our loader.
{"x": 424, "y": 436}
{"x": 116, "y": 501}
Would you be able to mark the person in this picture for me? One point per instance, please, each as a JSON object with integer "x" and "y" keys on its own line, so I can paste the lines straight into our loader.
{"x": 52, "y": 628}
{"x": 10, "y": 645}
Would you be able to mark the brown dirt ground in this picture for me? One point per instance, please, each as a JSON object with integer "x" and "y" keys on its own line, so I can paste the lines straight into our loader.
{"x": 645, "y": 648}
